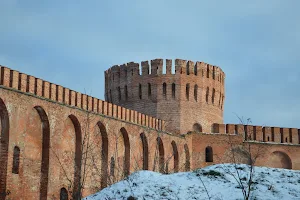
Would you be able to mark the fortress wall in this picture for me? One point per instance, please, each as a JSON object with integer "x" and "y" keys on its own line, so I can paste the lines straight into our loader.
{"x": 268, "y": 154}
{"x": 144, "y": 91}
{"x": 27, "y": 114}
{"x": 26, "y": 83}
{"x": 41, "y": 113}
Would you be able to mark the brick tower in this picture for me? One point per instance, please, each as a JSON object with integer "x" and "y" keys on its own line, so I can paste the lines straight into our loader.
{"x": 192, "y": 98}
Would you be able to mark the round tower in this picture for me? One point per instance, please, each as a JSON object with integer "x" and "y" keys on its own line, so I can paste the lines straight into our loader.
{"x": 192, "y": 98}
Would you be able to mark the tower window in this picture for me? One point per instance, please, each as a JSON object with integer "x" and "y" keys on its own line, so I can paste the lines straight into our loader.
{"x": 16, "y": 160}
{"x": 149, "y": 90}
{"x": 173, "y": 90}
{"x": 164, "y": 90}
{"x": 126, "y": 93}
{"x": 187, "y": 91}
{"x": 213, "y": 96}
{"x": 207, "y": 94}
{"x": 140, "y": 91}
{"x": 208, "y": 154}
{"x": 119, "y": 93}
{"x": 196, "y": 92}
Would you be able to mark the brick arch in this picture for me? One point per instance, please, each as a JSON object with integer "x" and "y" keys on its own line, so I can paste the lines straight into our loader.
{"x": 78, "y": 157}
{"x": 197, "y": 127}
{"x": 187, "y": 158}
{"x": 145, "y": 151}
{"x": 126, "y": 168}
{"x": 45, "y": 152}
{"x": 3, "y": 147}
{"x": 176, "y": 156}
{"x": 104, "y": 154}
{"x": 279, "y": 159}
{"x": 63, "y": 194}
{"x": 161, "y": 154}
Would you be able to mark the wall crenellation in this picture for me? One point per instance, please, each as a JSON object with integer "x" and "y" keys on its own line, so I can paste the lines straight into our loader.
{"x": 30, "y": 84}
{"x": 260, "y": 133}
{"x": 156, "y": 67}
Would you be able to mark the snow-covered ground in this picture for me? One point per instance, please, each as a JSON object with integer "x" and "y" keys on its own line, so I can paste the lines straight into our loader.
{"x": 219, "y": 181}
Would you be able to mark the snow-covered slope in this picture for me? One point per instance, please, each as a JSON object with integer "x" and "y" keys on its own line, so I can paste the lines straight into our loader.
{"x": 219, "y": 181}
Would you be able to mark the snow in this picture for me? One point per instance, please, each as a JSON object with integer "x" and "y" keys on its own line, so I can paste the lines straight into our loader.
{"x": 219, "y": 181}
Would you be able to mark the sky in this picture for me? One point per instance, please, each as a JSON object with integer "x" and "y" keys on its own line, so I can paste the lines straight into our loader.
{"x": 72, "y": 43}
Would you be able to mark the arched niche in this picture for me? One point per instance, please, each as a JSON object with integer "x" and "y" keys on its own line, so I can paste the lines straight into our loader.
{"x": 45, "y": 152}
{"x": 78, "y": 157}
{"x": 126, "y": 165}
{"x": 175, "y": 156}
{"x": 161, "y": 154}
{"x": 279, "y": 159}
{"x": 4, "y": 142}
{"x": 187, "y": 158}
{"x": 145, "y": 151}
{"x": 104, "y": 154}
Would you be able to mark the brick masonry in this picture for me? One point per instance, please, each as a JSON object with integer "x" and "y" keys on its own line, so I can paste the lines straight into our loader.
{"x": 49, "y": 124}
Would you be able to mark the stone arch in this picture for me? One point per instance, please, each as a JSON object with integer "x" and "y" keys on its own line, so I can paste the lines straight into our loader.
{"x": 208, "y": 154}
{"x": 45, "y": 151}
{"x": 279, "y": 159}
{"x": 4, "y": 142}
{"x": 64, "y": 194}
{"x": 104, "y": 154}
{"x": 126, "y": 166}
{"x": 145, "y": 151}
{"x": 78, "y": 156}
{"x": 175, "y": 155}
{"x": 197, "y": 127}
{"x": 161, "y": 154}
{"x": 187, "y": 158}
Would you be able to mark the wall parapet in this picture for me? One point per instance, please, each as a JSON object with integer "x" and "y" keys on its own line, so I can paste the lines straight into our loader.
{"x": 29, "y": 84}
{"x": 260, "y": 133}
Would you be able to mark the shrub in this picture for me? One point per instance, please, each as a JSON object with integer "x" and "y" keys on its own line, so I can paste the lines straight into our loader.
{"x": 212, "y": 173}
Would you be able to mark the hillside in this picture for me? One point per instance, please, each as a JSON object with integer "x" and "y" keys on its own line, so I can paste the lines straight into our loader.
{"x": 269, "y": 183}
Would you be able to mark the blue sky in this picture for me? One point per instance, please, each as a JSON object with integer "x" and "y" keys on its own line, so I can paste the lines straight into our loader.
{"x": 256, "y": 43}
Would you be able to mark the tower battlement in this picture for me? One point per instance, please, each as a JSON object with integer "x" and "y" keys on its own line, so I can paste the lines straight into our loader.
{"x": 165, "y": 67}
{"x": 183, "y": 93}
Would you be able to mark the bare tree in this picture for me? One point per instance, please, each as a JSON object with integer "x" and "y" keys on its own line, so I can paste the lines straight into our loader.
{"x": 247, "y": 152}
